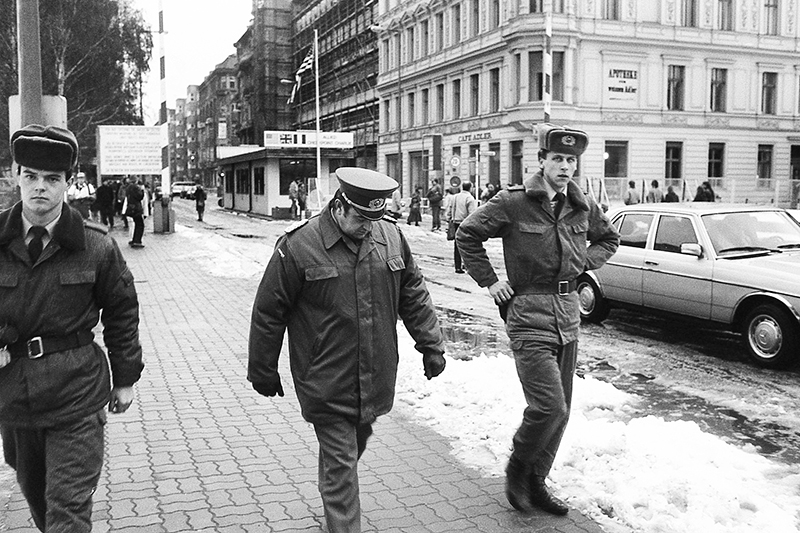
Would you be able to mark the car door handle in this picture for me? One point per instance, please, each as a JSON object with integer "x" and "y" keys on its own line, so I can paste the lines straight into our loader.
{"x": 652, "y": 263}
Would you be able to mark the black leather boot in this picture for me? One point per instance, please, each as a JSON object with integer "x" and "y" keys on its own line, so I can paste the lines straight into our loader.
{"x": 542, "y": 498}
{"x": 518, "y": 484}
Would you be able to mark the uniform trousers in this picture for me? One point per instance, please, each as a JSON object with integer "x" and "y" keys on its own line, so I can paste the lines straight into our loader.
{"x": 341, "y": 444}
{"x": 57, "y": 470}
{"x": 545, "y": 369}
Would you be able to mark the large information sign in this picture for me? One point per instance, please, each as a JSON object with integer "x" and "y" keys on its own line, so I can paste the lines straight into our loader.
{"x": 128, "y": 150}
{"x": 307, "y": 139}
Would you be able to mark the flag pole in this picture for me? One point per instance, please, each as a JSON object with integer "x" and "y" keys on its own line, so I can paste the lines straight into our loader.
{"x": 547, "y": 61}
{"x": 316, "y": 86}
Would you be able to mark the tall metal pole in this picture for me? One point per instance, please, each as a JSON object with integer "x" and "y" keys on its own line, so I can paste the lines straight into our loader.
{"x": 547, "y": 58}
{"x": 316, "y": 90}
{"x": 30, "y": 62}
{"x": 163, "y": 121}
{"x": 400, "y": 115}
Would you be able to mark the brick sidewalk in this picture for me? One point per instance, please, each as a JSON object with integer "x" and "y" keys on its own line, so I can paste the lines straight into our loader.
{"x": 201, "y": 451}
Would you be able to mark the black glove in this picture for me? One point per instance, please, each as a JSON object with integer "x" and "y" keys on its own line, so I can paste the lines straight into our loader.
{"x": 434, "y": 364}
{"x": 269, "y": 387}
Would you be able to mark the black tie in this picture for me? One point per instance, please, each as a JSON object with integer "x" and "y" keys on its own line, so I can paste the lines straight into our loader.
{"x": 36, "y": 245}
{"x": 559, "y": 198}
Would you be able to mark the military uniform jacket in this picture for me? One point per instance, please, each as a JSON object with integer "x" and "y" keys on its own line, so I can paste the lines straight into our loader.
{"x": 538, "y": 249}
{"x": 341, "y": 310}
{"x": 79, "y": 273}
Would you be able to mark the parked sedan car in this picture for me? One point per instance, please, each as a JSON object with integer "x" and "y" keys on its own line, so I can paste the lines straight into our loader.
{"x": 736, "y": 266}
{"x": 184, "y": 189}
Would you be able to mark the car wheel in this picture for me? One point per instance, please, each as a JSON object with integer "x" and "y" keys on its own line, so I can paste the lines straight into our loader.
{"x": 594, "y": 308}
{"x": 770, "y": 336}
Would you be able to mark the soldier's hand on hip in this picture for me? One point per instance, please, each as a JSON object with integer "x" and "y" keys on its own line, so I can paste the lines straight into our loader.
{"x": 501, "y": 291}
{"x": 270, "y": 387}
{"x": 434, "y": 364}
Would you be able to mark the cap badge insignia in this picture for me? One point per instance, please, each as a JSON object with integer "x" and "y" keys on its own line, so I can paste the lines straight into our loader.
{"x": 377, "y": 203}
{"x": 568, "y": 140}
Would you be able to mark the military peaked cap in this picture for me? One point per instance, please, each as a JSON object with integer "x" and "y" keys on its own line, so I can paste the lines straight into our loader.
{"x": 366, "y": 190}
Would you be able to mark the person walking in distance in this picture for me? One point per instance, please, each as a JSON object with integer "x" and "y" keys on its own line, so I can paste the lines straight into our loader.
{"x": 435, "y": 198}
{"x": 545, "y": 224}
{"x": 460, "y": 207}
{"x": 348, "y": 274}
{"x": 200, "y": 201}
{"x": 105, "y": 203}
{"x": 134, "y": 194}
{"x": 55, "y": 381}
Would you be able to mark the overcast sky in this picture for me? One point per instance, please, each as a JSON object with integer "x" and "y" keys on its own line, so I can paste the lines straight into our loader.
{"x": 201, "y": 34}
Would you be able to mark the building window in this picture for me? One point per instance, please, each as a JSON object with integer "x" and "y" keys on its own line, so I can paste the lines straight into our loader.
{"x": 440, "y": 102}
{"x": 397, "y": 49}
{"x": 764, "y": 171}
{"x": 716, "y": 160}
{"x": 494, "y": 14}
{"x": 689, "y": 13}
{"x": 439, "y": 21}
{"x": 423, "y": 38}
{"x": 675, "y": 83}
{"x": 387, "y": 62}
{"x": 537, "y": 6}
{"x": 475, "y": 18}
{"x": 536, "y": 77}
{"x": 517, "y": 82}
{"x": 769, "y": 92}
{"x": 412, "y": 109}
{"x": 387, "y": 114}
{"x": 474, "y": 94}
{"x": 474, "y": 155}
{"x": 242, "y": 181}
{"x": 516, "y": 163}
{"x": 425, "y": 106}
{"x": 398, "y": 117}
{"x": 673, "y": 163}
{"x": 258, "y": 181}
{"x": 616, "y": 156}
{"x": 725, "y": 15}
{"x": 494, "y": 90}
{"x": 456, "y": 22}
{"x": 456, "y": 98}
{"x": 771, "y": 17}
{"x": 411, "y": 44}
{"x": 719, "y": 88}
{"x": 610, "y": 9}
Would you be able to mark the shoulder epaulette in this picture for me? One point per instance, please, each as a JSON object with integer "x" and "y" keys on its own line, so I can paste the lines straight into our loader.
{"x": 389, "y": 218}
{"x": 519, "y": 187}
{"x": 101, "y": 228}
{"x": 296, "y": 226}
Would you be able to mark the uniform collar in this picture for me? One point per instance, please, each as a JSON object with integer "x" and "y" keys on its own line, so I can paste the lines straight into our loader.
{"x": 536, "y": 187}
{"x": 67, "y": 232}
{"x": 331, "y": 232}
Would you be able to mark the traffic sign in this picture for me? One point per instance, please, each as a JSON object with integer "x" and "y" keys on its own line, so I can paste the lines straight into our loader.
{"x": 455, "y": 161}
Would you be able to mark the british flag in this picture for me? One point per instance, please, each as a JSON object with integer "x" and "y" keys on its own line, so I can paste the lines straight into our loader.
{"x": 307, "y": 64}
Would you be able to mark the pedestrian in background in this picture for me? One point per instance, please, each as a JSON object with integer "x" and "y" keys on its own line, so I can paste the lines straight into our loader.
{"x": 414, "y": 208}
{"x": 348, "y": 274}
{"x": 488, "y": 193}
{"x": 671, "y": 196}
{"x": 302, "y": 194}
{"x": 461, "y": 206}
{"x": 105, "y": 201}
{"x": 632, "y": 196}
{"x": 293, "y": 197}
{"x": 396, "y": 208}
{"x": 200, "y": 201}
{"x": 55, "y": 381}
{"x": 705, "y": 193}
{"x": 654, "y": 195}
{"x": 134, "y": 194}
{"x": 545, "y": 224}
{"x": 81, "y": 195}
{"x": 122, "y": 195}
{"x": 435, "y": 198}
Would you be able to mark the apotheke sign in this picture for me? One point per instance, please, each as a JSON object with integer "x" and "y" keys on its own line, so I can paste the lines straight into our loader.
{"x": 622, "y": 84}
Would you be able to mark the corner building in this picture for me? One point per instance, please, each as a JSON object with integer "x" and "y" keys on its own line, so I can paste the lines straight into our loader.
{"x": 678, "y": 91}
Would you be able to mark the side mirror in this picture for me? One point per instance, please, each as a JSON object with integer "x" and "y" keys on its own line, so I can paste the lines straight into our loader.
{"x": 692, "y": 249}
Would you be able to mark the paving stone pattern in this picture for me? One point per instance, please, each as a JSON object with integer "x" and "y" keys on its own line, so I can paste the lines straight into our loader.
{"x": 200, "y": 451}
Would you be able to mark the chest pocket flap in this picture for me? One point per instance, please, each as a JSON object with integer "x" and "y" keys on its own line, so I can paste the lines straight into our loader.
{"x": 8, "y": 279}
{"x": 582, "y": 227}
{"x": 396, "y": 263}
{"x": 77, "y": 278}
{"x": 531, "y": 227}
{"x": 321, "y": 272}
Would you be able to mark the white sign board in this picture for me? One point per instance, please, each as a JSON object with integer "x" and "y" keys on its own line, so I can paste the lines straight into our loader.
{"x": 128, "y": 150}
{"x": 307, "y": 139}
{"x": 622, "y": 84}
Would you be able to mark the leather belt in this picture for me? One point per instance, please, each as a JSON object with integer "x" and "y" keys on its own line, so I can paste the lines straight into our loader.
{"x": 557, "y": 287}
{"x": 36, "y": 347}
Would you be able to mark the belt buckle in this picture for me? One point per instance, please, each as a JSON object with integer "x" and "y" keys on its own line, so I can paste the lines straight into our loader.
{"x": 38, "y": 353}
{"x": 563, "y": 288}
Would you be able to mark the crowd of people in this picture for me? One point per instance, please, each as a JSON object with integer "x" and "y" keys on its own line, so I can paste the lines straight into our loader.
{"x": 632, "y": 196}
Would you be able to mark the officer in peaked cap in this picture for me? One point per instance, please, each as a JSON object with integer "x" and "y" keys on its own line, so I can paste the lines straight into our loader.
{"x": 366, "y": 190}
{"x": 562, "y": 139}
{"x": 348, "y": 276}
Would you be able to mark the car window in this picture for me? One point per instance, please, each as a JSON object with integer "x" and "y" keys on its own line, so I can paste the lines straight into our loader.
{"x": 633, "y": 229}
{"x": 673, "y": 231}
{"x": 736, "y": 233}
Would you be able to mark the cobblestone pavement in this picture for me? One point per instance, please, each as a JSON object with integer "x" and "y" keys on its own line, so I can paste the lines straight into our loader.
{"x": 201, "y": 451}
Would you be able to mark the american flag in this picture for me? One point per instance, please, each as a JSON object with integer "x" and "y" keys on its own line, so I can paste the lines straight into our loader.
{"x": 307, "y": 64}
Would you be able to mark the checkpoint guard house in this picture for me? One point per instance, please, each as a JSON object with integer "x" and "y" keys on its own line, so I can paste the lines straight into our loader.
{"x": 258, "y": 181}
